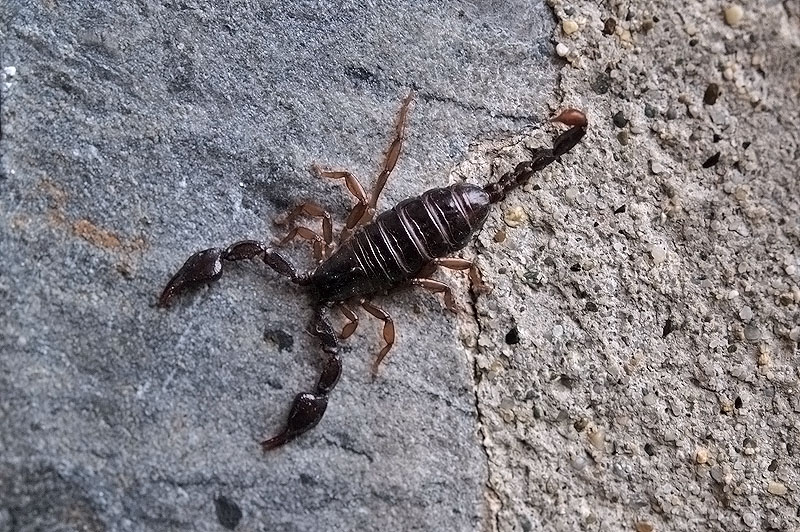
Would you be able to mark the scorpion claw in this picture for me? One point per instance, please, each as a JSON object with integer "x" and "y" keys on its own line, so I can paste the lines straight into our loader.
{"x": 203, "y": 266}
{"x": 306, "y": 412}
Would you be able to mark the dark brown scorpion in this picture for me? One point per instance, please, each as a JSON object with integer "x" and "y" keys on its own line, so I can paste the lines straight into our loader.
{"x": 401, "y": 247}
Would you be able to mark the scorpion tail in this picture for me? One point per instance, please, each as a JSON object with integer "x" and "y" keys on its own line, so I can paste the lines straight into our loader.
{"x": 542, "y": 156}
{"x": 309, "y": 407}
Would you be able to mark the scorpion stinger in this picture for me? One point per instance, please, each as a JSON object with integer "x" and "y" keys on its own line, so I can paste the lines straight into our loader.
{"x": 520, "y": 175}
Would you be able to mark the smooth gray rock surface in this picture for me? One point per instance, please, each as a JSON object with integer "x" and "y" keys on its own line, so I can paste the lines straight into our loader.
{"x": 134, "y": 135}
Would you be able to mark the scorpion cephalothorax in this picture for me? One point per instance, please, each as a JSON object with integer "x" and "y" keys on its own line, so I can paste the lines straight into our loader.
{"x": 402, "y": 246}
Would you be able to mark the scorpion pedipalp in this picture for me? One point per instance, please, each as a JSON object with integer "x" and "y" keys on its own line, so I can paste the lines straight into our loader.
{"x": 309, "y": 407}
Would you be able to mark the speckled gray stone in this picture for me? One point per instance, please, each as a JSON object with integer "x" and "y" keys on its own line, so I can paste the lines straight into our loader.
{"x": 136, "y": 134}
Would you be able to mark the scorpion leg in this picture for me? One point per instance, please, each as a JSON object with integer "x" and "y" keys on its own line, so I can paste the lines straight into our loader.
{"x": 352, "y": 324}
{"x": 388, "y": 332}
{"x": 392, "y": 154}
{"x": 315, "y": 211}
{"x": 355, "y": 188}
{"x": 206, "y": 266}
{"x": 438, "y": 287}
{"x": 319, "y": 248}
{"x": 309, "y": 407}
{"x": 363, "y": 212}
{"x": 464, "y": 264}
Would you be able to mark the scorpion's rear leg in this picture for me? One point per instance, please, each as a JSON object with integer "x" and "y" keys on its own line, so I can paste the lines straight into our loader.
{"x": 454, "y": 263}
{"x": 206, "y": 266}
{"x": 438, "y": 287}
{"x": 308, "y": 408}
{"x": 388, "y": 332}
{"x": 363, "y": 212}
{"x": 392, "y": 154}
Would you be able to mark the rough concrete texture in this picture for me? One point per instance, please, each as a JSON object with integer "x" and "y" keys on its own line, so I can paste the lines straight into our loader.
{"x": 654, "y": 290}
{"x": 134, "y": 134}
{"x": 634, "y": 368}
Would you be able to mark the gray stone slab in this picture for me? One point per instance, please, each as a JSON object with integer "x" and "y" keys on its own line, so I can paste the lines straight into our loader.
{"x": 136, "y": 134}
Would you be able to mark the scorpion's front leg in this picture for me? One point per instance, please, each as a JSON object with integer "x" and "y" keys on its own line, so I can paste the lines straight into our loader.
{"x": 308, "y": 408}
{"x": 206, "y": 266}
{"x": 322, "y": 245}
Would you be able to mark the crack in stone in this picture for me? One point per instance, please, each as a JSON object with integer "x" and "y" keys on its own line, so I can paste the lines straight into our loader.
{"x": 476, "y": 377}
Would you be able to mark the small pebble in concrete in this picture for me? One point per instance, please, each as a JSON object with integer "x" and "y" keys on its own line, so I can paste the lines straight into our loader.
{"x": 512, "y": 336}
{"x": 228, "y": 512}
{"x": 609, "y": 26}
{"x": 752, "y": 333}
{"x": 711, "y": 161}
{"x": 569, "y": 26}
{"x": 644, "y": 526}
{"x": 672, "y": 113}
{"x": 711, "y": 94}
{"x": 514, "y": 216}
{"x": 656, "y": 167}
{"x": 562, "y": 49}
{"x": 619, "y": 119}
{"x": 733, "y": 14}
{"x": 597, "y": 438}
{"x": 777, "y": 488}
{"x": 659, "y": 253}
{"x": 746, "y": 313}
{"x": 701, "y": 455}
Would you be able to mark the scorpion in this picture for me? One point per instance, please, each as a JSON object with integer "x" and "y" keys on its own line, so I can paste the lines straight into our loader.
{"x": 401, "y": 247}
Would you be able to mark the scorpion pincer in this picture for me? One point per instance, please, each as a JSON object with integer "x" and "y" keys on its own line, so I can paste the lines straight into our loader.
{"x": 400, "y": 247}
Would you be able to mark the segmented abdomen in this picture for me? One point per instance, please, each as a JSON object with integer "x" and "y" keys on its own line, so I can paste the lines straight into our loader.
{"x": 401, "y": 241}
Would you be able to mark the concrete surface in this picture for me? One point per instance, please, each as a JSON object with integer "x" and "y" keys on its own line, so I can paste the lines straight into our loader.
{"x": 655, "y": 382}
{"x": 634, "y": 368}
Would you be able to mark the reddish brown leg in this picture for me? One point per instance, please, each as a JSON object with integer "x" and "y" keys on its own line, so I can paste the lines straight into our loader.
{"x": 352, "y": 325}
{"x": 392, "y": 154}
{"x": 363, "y": 212}
{"x": 388, "y": 332}
{"x": 315, "y": 211}
{"x": 438, "y": 287}
{"x": 464, "y": 264}
{"x": 358, "y": 193}
{"x": 307, "y": 234}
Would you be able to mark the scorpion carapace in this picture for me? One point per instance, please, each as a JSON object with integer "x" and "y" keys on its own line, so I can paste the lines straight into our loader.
{"x": 402, "y": 246}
